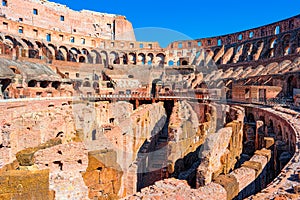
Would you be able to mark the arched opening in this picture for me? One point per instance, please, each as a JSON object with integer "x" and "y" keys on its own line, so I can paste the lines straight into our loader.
{"x": 277, "y": 30}
{"x": 141, "y": 58}
{"x": 52, "y": 49}
{"x": 184, "y": 62}
{"x": 150, "y": 59}
{"x": 287, "y": 50}
{"x": 155, "y": 87}
{"x": 94, "y": 132}
{"x": 286, "y": 44}
{"x": 171, "y": 63}
{"x": 279, "y": 133}
{"x": 273, "y": 42}
{"x": 270, "y": 127}
{"x": 251, "y": 34}
{"x": 31, "y": 51}
{"x": 74, "y": 54}
{"x": 104, "y": 57}
{"x": 251, "y": 118}
{"x": 32, "y": 83}
{"x": 96, "y": 85}
{"x": 55, "y": 84}
{"x": 114, "y": 58}
{"x": 125, "y": 58}
{"x": 262, "y": 118}
{"x": 62, "y": 54}
{"x": 86, "y": 84}
{"x": 240, "y": 37}
{"x": 10, "y": 41}
{"x": 60, "y": 134}
{"x": 291, "y": 84}
{"x": 97, "y": 57}
{"x": 44, "y": 84}
{"x": 88, "y": 56}
{"x": 82, "y": 59}
{"x": 160, "y": 59}
{"x": 271, "y": 53}
{"x": 132, "y": 58}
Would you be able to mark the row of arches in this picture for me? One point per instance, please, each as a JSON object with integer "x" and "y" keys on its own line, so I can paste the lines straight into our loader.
{"x": 35, "y": 49}
{"x": 260, "y": 49}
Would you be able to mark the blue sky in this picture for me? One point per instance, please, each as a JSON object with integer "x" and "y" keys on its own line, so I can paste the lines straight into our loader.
{"x": 178, "y": 20}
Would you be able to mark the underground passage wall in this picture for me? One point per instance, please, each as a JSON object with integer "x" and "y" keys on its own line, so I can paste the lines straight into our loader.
{"x": 254, "y": 176}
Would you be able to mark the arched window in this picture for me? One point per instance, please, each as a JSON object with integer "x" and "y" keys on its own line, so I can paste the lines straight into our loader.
{"x": 86, "y": 84}
{"x": 240, "y": 37}
{"x": 251, "y": 34}
{"x": 277, "y": 30}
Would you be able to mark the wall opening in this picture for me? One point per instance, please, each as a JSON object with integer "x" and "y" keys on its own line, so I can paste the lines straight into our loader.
{"x": 44, "y": 84}
{"x": 48, "y": 37}
{"x": 20, "y": 29}
{"x": 277, "y": 30}
{"x": 35, "y": 11}
{"x": 240, "y": 37}
{"x": 32, "y": 83}
{"x": 251, "y": 34}
{"x": 60, "y": 165}
{"x": 4, "y": 2}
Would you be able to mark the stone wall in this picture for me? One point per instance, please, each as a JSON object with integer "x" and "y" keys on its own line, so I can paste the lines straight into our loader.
{"x": 251, "y": 177}
{"x": 25, "y": 184}
{"x": 65, "y": 162}
{"x": 53, "y": 16}
{"x": 221, "y": 150}
{"x": 103, "y": 175}
{"x": 128, "y": 137}
{"x": 26, "y": 125}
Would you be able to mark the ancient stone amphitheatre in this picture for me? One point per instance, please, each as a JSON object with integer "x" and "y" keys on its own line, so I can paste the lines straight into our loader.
{"x": 88, "y": 112}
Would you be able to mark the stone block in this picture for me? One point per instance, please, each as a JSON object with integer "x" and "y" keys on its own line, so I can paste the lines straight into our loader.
{"x": 269, "y": 142}
{"x": 91, "y": 177}
{"x": 253, "y": 165}
{"x": 245, "y": 176}
{"x": 264, "y": 152}
{"x": 230, "y": 183}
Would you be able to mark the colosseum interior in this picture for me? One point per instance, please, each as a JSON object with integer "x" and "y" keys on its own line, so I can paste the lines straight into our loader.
{"x": 88, "y": 112}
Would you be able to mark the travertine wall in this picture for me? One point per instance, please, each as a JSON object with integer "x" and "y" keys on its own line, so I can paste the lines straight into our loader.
{"x": 128, "y": 137}
{"x": 221, "y": 150}
{"x": 86, "y": 23}
{"x": 25, "y": 184}
{"x": 251, "y": 177}
{"x": 103, "y": 175}
{"x": 26, "y": 125}
{"x": 65, "y": 162}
